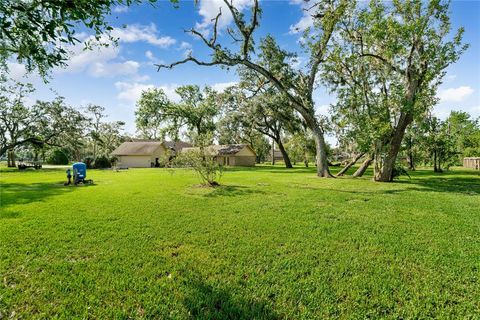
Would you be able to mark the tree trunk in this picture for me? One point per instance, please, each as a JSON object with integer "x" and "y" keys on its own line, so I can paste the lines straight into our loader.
{"x": 321, "y": 161}
{"x": 435, "y": 169}
{"x": 411, "y": 160}
{"x": 273, "y": 152}
{"x": 361, "y": 170}
{"x": 11, "y": 158}
{"x": 386, "y": 153}
{"x": 350, "y": 164}
{"x": 284, "y": 153}
{"x": 321, "y": 153}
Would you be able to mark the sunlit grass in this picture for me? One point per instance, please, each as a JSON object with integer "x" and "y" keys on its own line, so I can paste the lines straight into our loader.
{"x": 269, "y": 243}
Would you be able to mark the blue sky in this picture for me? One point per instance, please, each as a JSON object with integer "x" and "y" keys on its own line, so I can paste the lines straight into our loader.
{"x": 115, "y": 76}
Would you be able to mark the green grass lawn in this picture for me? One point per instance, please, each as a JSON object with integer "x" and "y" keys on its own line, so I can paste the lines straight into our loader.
{"x": 270, "y": 243}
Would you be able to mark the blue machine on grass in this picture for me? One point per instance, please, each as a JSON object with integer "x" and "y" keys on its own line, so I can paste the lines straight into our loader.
{"x": 80, "y": 173}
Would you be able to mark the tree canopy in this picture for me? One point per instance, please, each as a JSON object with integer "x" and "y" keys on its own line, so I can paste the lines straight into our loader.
{"x": 36, "y": 33}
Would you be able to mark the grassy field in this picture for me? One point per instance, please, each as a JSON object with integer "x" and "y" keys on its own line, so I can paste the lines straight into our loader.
{"x": 269, "y": 244}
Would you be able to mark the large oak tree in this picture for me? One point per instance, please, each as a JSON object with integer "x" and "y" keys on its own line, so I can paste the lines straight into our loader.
{"x": 272, "y": 63}
{"x": 394, "y": 55}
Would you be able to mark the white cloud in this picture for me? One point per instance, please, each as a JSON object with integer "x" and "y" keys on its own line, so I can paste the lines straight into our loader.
{"x": 16, "y": 71}
{"x": 82, "y": 59}
{"x": 209, "y": 9}
{"x": 323, "y": 109}
{"x": 136, "y": 33}
{"x": 132, "y": 91}
{"x": 443, "y": 111}
{"x": 455, "y": 94}
{"x": 306, "y": 21}
{"x": 120, "y": 9}
{"x": 103, "y": 60}
{"x": 170, "y": 92}
{"x": 149, "y": 55}
{"x": 186, "y": 47}
{"x": 220, "y": 87}
{"x": 139, "y": 78}
{"x": 101, "y": 69}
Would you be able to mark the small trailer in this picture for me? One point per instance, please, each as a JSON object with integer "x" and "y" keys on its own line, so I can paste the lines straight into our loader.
{"x": 23, "y": 165}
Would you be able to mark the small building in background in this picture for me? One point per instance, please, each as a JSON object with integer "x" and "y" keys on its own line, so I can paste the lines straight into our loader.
{"x": 231, "y": 154}
{"x": 472, "y": 162}
{"x": 278, "y": 155}
{"x": 146, "y": 154}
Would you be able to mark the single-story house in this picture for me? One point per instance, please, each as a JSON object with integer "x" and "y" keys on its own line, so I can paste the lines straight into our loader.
{"x": 277, "y": 153}
{"x": 472, "y": 162}
{"x": 146, "y": 154}
{"x": 231, "y": 154}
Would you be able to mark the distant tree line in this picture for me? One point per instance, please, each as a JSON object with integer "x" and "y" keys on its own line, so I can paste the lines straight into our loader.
{"x": 383, "y": 61}
{"x": 53, "y": 131}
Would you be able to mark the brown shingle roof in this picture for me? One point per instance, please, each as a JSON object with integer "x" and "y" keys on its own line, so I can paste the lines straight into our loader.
{"x": 222, "y": 150}
{"x": 137, "y": 148}
{"x": 147, "y": 147}
{"x": 228, "y": 149}
{"x": 176, "y": 145}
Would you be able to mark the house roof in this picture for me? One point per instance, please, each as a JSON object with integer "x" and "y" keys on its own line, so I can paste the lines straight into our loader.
{"x": 147, "y": 147}
{"x": 137, "y": 148}
{"x": 228, "y": 149}
{"x": 176, "y": 145}
{"x": 223, "y": 150}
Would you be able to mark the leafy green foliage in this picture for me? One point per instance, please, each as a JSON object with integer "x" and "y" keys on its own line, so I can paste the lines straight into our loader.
{"x": 148, "y": 115}
{"x": 232, "y": 126}
{"x": 157, "y": 116}
{"x": 386, "y": 65}
{"x": 203, "y": 161}
{"x": 57, "y": 156}
{"x": 270, "y": 63}
{"x": 89, "y": 161}
{"x": 103, "y": 162}
{"x": 36, "y": 32}
{"x": 399, "y": 171}
{"x": 465, "y": 133}
{"x": 46, "y": 123}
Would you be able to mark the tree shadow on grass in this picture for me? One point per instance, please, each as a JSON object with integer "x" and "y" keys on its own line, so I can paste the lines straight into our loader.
{"x": 462, "y": 183}
{"x": 203, "y": 301}
{"x": 20, "y": 193}
{"x": 449, "y": 183}
{"x": 232, "y": 191}
{"x": 272, "y": 169}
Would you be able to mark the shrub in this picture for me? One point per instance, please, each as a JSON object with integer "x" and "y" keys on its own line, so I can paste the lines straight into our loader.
{"x": 113, "y": 160}
{"x": 204, "y": 163}
{"x": 89, "y": 162}
{"x": 103, "y": 162}
{"x": 398, "y": 171}
{"x": 57, "y": 156}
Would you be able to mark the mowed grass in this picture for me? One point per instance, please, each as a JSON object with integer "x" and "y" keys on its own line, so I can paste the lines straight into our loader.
{"x": 270, "y": 243}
